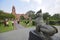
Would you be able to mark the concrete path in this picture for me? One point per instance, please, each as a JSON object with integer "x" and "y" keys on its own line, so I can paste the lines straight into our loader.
{"x": 57, "y": 36}
{"x": 23, "y": 34}
{"x": 18, "y": 26}
{"x": 19, "y": 34}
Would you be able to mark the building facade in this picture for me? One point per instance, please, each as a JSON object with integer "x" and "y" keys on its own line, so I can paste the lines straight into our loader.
{"x": 17, "y": 16}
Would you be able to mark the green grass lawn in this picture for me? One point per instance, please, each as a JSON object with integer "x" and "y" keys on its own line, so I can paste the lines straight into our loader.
{"x": 6, "y": 28}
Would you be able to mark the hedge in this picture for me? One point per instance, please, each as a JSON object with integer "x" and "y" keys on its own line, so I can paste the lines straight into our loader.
{"x": 33, "y": 23}
{"x": 51, "y": 22}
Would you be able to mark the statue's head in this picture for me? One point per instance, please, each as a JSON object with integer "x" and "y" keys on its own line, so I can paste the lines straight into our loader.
{"x": 39, "y": 13}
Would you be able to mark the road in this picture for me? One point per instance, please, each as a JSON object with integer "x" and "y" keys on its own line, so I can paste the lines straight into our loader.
{"x": 20, "y": 34}
{"x": 18, "y": 26}
{"x": 57, "y": 36}
{"x": 23, "y": 34}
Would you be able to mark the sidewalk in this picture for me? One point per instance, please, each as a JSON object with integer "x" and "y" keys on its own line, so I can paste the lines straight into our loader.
{"x": 23, "y": 34}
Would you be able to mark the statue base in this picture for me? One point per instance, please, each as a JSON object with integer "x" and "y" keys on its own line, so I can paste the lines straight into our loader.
{"x": 34, "y": 36}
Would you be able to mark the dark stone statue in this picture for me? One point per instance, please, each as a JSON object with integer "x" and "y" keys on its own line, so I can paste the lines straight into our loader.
{"x": 43, "y": 31}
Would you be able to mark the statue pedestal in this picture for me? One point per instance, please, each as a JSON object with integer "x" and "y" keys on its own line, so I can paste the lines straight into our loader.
{"x": 34, "y": 36}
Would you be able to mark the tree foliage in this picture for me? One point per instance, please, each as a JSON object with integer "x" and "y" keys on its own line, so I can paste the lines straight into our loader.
{"x": 22, "y": 18}
{"x": 4, "y": 15}
{"x": 31, "y": 14}
{"x": 56, "y": 16}
{"x": 46, "y": 15}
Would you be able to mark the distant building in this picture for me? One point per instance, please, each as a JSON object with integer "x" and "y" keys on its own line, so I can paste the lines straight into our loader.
{"x": 17, "y": 16}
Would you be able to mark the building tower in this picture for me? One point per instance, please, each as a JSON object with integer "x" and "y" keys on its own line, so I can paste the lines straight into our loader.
{"x": 14, "y": 11}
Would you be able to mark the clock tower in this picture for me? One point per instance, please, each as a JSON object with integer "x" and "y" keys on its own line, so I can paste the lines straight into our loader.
{"x": 13, "y": 11}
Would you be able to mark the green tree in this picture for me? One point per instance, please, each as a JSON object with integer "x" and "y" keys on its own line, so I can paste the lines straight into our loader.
{"x": 22, "y": 18}
{"x": 31, "y": 14}
{"x": 56, "y": 16}
{"x": 4, "y": 15}
{"x": 46, "y": 16}
{"x": 1, "y": 12}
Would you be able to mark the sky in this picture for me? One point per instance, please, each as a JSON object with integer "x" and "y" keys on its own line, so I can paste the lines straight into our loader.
{"x": 22, "y": 6}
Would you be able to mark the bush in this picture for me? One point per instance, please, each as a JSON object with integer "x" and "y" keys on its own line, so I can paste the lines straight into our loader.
{"x": 1, "y": 22}
{"x": 52, "y": 22}
{"x": 58, "y": 22}
{"x": 33, "y": 23}
{"x": 23, "y": 21}
{"x": 26, "y": 21}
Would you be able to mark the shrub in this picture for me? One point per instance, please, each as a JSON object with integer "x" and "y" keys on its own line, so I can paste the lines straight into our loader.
{"x": 1, "y": 22}
{"x": 52, "y": 22}
{"x": 33, "y": 23}
{"x": 27, "y": 21}
{"x": 58, "y": 22}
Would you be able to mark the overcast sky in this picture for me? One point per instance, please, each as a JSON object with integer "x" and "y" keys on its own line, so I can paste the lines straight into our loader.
{"x": 22, "y": 6}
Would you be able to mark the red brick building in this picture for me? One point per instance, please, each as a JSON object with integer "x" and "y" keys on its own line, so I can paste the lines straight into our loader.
{"x": 17, "y": 16}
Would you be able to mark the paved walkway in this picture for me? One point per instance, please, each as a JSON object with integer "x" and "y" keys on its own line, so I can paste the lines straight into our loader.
{"x": 22, "y": 34}
{"x": 18, "y": 26}
{"x": 57, "y": 35}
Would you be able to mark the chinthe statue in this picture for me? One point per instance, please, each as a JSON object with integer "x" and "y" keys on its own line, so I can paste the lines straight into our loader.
{"x": 43, "y": 30}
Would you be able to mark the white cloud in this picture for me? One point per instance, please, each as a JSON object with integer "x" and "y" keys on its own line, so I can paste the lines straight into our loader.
{"x": 25, "y": 0}
{"x": 57, "y": 0}
{"x": 51, "y": 6}
{"x": 37, "y": 1}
